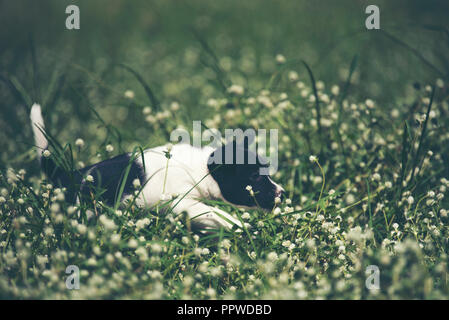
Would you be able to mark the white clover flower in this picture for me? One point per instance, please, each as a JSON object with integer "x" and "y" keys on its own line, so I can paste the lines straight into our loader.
{"x": 197, "y": 252}
{"x": 55, "y": 208}
{"x": 236, "y": 89}
{"x": 293, "y": 76}
{"x": 395, "y": 113}
{"x": 136, "y": 183}
{"x": 251, "y": 101}
{"x": 246, "y": 216}
{"x": 174, "y": 106}
{"x": 225, "y": 243}
{"x": 146, "y": 110}
{"x": 142, "y": 253}
{"x": 132, "y": 243}
{"x": 313, "y": 158}
{"x": 150, "y": 119}
{"x": 277, "y": 211}
{"x": 79, "y": 143}
{"x": 46, "y": 154}
{"x": 188, "y": 281}
{"x": 142, "y": 223}
{"x": 277, "y": 200}
{"x": 335, "y": 90}
{"x": 129, "y": 94}
{"x": 369, "y": 103}
{"x": 82, "y": 229}
{"x": 109, "y": 258}
{"x": 410, "y": 200}
{"x": 286, "y": 243}
{"x": 109, "y": 148}
{"x": 107, "y": 223}
{"x": 212, "y": 103}
{"x": 48, "y": 231}
{"x": 60, "y": 197}
{"x": 280, "y": 59}
{"x": 324, "y": 98}
{"x": 169, "y": 147}
{"x": 272, "y": 256}
{"x": 265, "y": 101}
{"x": 211, "y": 292}
{"x": 89, "y": 178}
{"x": 156, "y": 248}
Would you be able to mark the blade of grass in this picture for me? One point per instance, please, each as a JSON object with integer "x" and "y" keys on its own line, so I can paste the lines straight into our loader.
{"x": 154, "y": 101}
{"x": 317, "y": 100}
{"x": 423, "y": 134}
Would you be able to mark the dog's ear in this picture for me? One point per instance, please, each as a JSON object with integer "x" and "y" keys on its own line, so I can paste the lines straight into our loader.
{"x": 218, "y": 164}
{"x": 220, "y": 170}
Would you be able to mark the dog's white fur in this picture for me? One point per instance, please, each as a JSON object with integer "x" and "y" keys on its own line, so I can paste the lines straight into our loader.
{"x": 37, "y": 125}
{"x": 188, "y": 180}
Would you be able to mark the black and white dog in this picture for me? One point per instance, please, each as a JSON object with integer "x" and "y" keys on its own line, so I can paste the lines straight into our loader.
{"x": 188, "y": 176}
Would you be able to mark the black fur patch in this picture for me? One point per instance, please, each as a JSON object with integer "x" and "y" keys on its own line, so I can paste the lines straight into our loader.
{"x": 233, "y": 178}
{"x": 108, "y": 176}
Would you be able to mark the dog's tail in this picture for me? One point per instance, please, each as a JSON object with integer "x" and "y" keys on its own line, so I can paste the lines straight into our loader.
{"x": 55, "y": 173}
{"x": 38, "y": 126}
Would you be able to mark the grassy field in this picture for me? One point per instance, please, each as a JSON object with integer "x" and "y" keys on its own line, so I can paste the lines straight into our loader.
{"x": 363, "y": 120}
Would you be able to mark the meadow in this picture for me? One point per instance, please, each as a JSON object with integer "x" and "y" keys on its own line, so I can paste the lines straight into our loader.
{"x": 362, "y": 116}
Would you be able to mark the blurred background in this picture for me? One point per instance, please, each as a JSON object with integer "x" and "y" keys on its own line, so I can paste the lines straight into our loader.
{"x": 78, "y": 77}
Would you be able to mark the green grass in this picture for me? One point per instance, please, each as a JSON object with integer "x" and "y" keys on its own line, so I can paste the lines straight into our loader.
{"x": 375, "y": 195}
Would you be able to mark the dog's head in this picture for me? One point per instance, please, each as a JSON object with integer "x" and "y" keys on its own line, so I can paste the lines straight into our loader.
{"x": 235, "y": 167}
